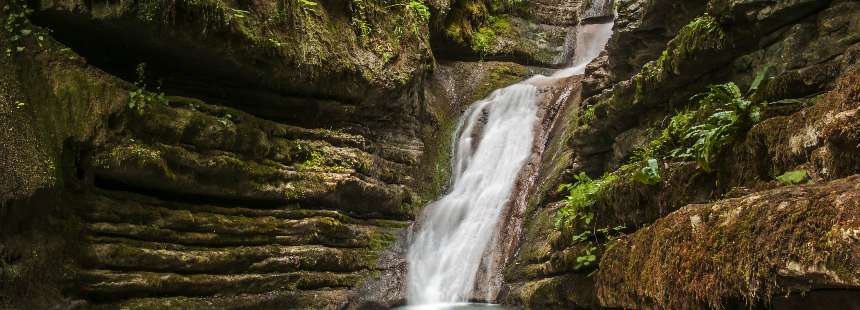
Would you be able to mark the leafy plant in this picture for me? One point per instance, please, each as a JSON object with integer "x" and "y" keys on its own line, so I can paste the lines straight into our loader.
{"x": 484, "y": 40}
{"x": 17, "y": 25}
{"x": 308, "y": 7}
{"x": 731, "y": 113}
{"x": 142, "y": 97}
{"x": 586, "y": 258}
{"x": 649, "y": 174}
{"x": 359, "y": 17}
{"x": 582, "y": 196}
{"x": 588, "y": 115}
{"x": 661, "y": 146}
{"x": 794, "y": 177}
{"x": 419, "y": 9}
{"x": 237, "y": 13}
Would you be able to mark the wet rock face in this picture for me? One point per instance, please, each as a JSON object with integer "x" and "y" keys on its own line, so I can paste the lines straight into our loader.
{"x": 139, "y": 247}
{"x": 271, "y": 175}
{"x": 539, "y": 33}
{"x": 804, "y": 55}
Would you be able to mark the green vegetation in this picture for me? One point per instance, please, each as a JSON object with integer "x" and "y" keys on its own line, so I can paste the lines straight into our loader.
{"x": 134, "y": 152}
{"x": 721, "y": 114}
{"x": 704, "y": 32}
{"x": 731, "y": 114}
{"x": 794, "y": 177}
{"x": 359, "y": 17}
{"x": 147, "y": 11}
{"x": 586, "y": 258}
{"x": 588, "y": 115}
{"x": 484, "y": 41}
{"x": 701, "y": 34}
{"x": 581, "y": 198}
{"x": 701, "y": 135}
{"x": 417, "y": 12}
{"x": 578, "y": 212}
{"x": 310, "y": 157}
{"x": 649, "y": 174}
{"x": 140, "y": 98}
{"x": 17, "y": 25}
{"x": 477, "y": 25}
{"x": 418, "y": 9}
{"x": 500, "y": 76}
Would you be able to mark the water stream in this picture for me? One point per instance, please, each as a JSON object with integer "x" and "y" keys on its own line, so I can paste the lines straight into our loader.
{"x": 494, "y": 139}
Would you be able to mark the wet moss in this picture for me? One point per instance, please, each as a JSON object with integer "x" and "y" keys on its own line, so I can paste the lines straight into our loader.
{"x": 702, "y": 34}
{"x": 500, "y": 76}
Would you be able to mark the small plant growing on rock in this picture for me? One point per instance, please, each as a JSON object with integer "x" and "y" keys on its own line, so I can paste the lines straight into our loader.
{"x": 731, "y": 113}
{"x": 649, "y": 174}
{"x": 586, "y": 258}
{"x": 723, "y": 113}
{"x": 582, "y": 196}
{"x": 17, "y": 25}
{"x": 140, "y": 98}
{"x": 794, "y": 177}
{"x": 418, "y": 9}
{"x": 359, "y": 17}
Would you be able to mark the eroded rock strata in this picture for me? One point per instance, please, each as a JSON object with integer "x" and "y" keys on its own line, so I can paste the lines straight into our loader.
{"x": 272, "y": 154}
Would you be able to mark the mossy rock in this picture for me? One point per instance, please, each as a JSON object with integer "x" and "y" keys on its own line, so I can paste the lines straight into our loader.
{"x": 790, "y": 239}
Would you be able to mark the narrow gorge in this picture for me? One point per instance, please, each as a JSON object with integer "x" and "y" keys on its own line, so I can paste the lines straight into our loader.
{"x": 430, "y": 154}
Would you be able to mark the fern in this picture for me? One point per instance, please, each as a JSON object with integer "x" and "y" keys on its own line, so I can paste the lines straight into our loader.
{"x": 582, "y": 196}
{"x": 730, "y": 113}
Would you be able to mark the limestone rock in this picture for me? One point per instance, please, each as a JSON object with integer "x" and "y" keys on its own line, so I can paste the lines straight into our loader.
{"x": 785, "y": 240}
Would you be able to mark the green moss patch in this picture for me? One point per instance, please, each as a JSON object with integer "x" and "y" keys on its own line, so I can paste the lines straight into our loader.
{"x": 790, "y": 239}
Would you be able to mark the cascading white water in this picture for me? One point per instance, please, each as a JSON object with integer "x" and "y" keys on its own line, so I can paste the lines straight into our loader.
{"x": 595, "y": 36}
{"x": 494, "y": 140}
{"x": 446, "y": 253}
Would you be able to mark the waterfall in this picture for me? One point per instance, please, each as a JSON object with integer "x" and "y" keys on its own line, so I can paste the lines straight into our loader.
{"x": 494, "y": 139}
{"x": 596, "y": 36}
{"x": 595, "y": 9}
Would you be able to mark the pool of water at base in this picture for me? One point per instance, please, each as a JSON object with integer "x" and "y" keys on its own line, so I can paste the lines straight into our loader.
{"x": 453, "y": 306}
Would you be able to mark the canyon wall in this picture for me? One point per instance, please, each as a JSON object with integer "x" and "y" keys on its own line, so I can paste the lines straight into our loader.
{"x": 709, "y": 162}
{"x": 272, "y": 154}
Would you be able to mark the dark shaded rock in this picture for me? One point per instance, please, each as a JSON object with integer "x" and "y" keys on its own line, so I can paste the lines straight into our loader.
{"x": 329, "y": 299}
{"x": 642, "y": 29}
{"x": 282, "y": 46}
{"x": 596, "y": 77}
